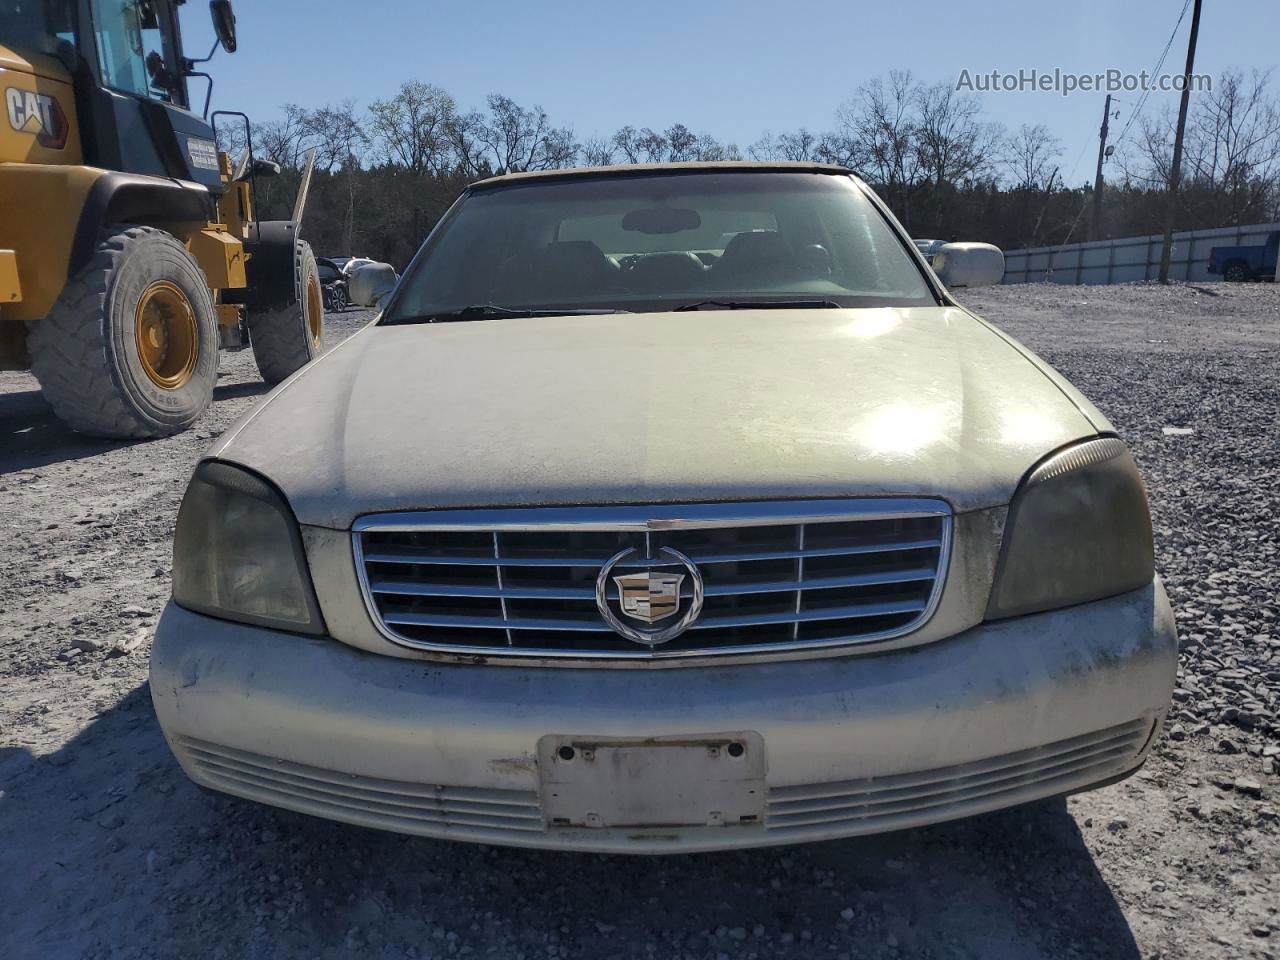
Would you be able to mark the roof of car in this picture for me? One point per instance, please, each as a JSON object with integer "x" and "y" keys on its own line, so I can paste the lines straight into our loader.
{"x": 642, "y": 169}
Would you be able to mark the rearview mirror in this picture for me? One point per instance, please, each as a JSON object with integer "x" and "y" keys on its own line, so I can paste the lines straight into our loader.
{"x": 654, "y": 220}
{"x": 224, "y": 23}
{"x": 969, "y": 264}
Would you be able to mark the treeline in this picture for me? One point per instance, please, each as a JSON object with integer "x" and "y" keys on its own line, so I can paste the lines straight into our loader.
{"x": 385, "y": 175}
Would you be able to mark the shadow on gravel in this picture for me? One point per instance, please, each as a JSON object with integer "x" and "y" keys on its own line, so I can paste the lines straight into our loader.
{"x": 31, "y": 436}
{"x": 233, "y": 391}
{"x": 108, "y": 851}
{"x": 14, "y": 761}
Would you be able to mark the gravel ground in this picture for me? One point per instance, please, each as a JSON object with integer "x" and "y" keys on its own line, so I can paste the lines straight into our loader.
{"x": 106, "y": 850}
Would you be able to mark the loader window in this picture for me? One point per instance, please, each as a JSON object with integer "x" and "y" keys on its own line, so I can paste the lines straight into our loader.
{"x": 127, "y": 32}
{"x": 41, "y": 26}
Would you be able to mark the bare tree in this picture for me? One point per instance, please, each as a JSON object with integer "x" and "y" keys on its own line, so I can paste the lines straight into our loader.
{"x": 676, "y": 144}
{"x": 800, "y": 145}
{"x": 411, "y": 130}
{"x": 337, "y": 135}
{"x": 708, "y": 148}
{"x": 954, "y": 142}
{"x": 653, "y": 146}
{"x": 598, "y": 152}
{"x": 929, "y": 151}
{"x": 640, "y": 146}
{"x": 469, "y": 154}
{"x": 877, "y": 132}
{"x": 1231, "y": 155}
{"x": 832, "y": 147}
{"x": 626, "y": 144}
{"x": 765, "y": 149}
{"x": 1235, "y": 147}
{"x": 511, "y": 138}
{"x": 1029, "y": 156}
{"x": 283, "y": 140}
{"x": 339, "y": 139}
{"x": 682, "y": 144}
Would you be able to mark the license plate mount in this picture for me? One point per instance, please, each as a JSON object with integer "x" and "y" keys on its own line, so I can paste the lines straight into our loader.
{"x": 704, "y": 780}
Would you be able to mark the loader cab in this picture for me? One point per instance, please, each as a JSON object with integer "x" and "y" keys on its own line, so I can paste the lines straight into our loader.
{"x": 129, "y": 73}
{"x": 136, "y": 113}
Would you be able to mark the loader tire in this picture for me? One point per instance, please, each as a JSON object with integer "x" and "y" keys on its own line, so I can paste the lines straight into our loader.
{"x": 130, "y": 348}
{"x": 286, "y": 339}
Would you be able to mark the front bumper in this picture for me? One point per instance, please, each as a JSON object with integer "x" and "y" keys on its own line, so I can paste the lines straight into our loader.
{"x": 999, "y": 715}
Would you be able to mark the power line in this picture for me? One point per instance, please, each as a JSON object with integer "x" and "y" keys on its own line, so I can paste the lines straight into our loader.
{"x": 1076, "y": 163}
{"x": 1142, "y": 100}
{"x": 1155, "y": 72}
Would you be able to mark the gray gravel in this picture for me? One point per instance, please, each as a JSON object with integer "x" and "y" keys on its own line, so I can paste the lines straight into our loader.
{"x": 1189, "y": 377}
{"x": 107, "y": 851}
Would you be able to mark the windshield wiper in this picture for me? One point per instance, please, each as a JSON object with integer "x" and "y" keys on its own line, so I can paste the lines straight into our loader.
{"x": 758, "y": 305}
{"x": 494, "y": 311}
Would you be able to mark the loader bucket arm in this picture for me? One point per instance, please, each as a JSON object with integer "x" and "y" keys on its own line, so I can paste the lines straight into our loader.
{"x": 304, "y": 187}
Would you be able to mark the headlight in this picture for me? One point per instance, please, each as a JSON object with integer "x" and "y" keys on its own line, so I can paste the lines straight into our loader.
{"x": 237, "y": 553}
{"x": 1079, "y": 529}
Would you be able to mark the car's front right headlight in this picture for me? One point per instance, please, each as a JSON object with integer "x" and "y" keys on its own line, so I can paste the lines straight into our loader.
{"x": 1079, "y": 529}
{"x": 237, "y": 552}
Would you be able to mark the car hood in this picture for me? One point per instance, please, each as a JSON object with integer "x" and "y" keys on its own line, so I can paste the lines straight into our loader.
{"x": 636, "y": 408}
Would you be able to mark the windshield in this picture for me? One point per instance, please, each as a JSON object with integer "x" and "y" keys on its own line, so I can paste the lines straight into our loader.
{"x": 38, "y": 26}
{"x": 657, "y": 242}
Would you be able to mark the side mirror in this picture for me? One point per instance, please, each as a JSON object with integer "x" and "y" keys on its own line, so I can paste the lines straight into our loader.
{"x": 265, "y": 168}
{"x": 224, "y": 23}
{"x": 969, "y": 264}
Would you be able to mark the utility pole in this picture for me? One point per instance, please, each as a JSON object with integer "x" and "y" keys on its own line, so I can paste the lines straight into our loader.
{"x": 1095, "y": 232}
{"x": 1175, "y": 171}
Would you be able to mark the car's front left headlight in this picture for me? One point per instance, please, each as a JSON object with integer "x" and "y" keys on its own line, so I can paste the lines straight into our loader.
{"x": 1079, "y": 529}
{"x": 237, "y": 552}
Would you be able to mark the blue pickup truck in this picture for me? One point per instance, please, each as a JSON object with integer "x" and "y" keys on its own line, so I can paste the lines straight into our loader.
{"x": 1246, "y": 263}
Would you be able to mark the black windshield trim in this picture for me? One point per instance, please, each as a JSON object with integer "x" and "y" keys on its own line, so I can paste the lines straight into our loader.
{"x": 621, "y": 171}
{"x": 494, "y": 311}
{"x": 759, "y": 303}
{"x": 641, "y": 308}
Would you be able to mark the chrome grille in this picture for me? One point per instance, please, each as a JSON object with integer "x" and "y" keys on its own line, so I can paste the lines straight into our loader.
{"x": 793, "y": 574}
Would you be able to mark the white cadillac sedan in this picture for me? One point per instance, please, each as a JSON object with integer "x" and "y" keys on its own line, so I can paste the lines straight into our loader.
{"x": 667, "y": 509}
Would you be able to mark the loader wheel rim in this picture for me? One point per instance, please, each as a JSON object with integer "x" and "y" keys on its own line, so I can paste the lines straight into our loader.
{"x": 167, "y": 337}
{"x": 315, "y": 310}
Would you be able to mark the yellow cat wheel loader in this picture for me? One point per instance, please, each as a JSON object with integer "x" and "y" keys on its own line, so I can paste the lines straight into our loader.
{"x": 129, "y": 250}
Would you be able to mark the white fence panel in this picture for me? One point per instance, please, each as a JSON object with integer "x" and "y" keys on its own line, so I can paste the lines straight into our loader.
{"x": 1129, "y": 259}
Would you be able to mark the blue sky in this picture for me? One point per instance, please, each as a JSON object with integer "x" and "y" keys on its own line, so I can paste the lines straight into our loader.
{"x": 731, "y": 69}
